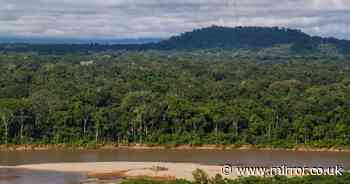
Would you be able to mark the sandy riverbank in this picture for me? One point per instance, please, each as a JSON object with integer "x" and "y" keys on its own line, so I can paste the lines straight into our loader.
{"x": 116, "y": 170}
{"x": 128, "y": 169}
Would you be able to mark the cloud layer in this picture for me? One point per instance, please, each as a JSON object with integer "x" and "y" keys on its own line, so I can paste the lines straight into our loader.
{"x": 163, "y": 18}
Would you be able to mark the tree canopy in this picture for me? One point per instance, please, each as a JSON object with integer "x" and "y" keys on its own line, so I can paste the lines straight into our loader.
{"x": 198, "y": 97}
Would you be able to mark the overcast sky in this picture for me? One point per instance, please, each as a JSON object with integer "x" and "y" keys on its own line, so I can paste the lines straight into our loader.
{"x": 162, "y": 18}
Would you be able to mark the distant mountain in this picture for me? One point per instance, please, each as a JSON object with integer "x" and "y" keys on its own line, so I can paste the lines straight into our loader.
{"x": 254, "y": 38}
{"x": 238, "y": 37}
{"x": 271, "y": 40}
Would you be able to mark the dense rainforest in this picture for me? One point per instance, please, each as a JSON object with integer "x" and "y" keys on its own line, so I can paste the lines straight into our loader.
{"x": 175, "y": 97}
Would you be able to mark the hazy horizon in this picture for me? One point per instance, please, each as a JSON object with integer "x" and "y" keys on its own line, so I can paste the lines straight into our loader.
{"x": 132, "y": 19}
{"x": 106, "y": 40}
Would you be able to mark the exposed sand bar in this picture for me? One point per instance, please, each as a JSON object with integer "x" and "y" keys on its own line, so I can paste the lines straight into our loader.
{"x": 129, "y": 169}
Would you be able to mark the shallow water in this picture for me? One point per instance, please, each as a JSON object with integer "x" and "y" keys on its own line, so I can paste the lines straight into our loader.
{"x": 23, "y": 176}
{"x": 236, "y": 157}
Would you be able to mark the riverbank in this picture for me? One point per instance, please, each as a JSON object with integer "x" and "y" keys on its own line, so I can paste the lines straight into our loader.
{"x": 38, "y": 147}
{"x": 108, "y": 170}
{"x": 153, "y": 172}
{"x": 121, "y": 170}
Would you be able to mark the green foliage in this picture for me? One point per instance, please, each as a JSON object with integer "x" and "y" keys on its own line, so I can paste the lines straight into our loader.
{"x": 172, "y": 98}
{"x": 256, "y": 180}
{"x": 200, "y": 177}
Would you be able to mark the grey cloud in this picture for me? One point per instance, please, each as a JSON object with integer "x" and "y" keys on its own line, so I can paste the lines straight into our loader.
{"x": 163, "y": 18}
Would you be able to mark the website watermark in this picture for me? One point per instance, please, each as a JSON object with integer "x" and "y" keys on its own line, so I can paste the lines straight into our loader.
{"x": 229, "y": 169}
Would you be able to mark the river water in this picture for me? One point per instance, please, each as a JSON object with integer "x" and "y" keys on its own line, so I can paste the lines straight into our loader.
{"x": 236, "y": 157}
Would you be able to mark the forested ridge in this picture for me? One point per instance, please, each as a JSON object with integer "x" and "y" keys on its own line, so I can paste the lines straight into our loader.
{"x": 282, "y": 40}
{"x": 159, "y": 97}
{"x": 257, "y": 38}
